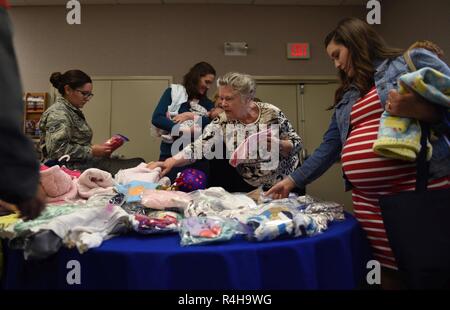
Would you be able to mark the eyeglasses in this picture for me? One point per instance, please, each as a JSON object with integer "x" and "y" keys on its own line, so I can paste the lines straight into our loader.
{"x": 85, "y": 94}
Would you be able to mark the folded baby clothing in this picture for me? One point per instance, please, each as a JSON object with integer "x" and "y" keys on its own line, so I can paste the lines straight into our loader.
{"x": 55, "y": 210}
{"x": 165, "y": 200}
{"x": 139, "y": 173}
{"x": 86, "y": 227}
{"x": 273, "y": 222}
{"x": 430, "y": 84}
{"x": 305, "y": 225}
{"x": 133, "y": 191}
{"x": 48, "y": 214}
{"x": 95, "y": 181}
{"x": 72, "y": 173}
{"x": 200, "y": 230}
{"x": 219, "y": 202}
{"x": 57, "y": 185}
{"x": 156, "y": 222}
{"x": 399, "y": 137}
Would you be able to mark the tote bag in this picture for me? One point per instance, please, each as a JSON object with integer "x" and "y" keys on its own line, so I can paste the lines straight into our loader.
{"x": 418, "y": 228}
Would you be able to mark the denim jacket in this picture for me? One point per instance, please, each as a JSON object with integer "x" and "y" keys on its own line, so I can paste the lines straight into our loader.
{"x": 386, "y": 78}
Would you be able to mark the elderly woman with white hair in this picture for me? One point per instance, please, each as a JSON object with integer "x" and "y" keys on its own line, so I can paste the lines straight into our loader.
{"x": 256, "y": 132}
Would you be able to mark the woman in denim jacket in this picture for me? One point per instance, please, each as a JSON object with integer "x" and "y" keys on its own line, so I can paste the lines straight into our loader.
{"x": 369, "y": 70}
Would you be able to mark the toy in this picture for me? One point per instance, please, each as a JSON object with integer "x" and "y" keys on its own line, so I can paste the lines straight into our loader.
{"x": 190, "y": 180}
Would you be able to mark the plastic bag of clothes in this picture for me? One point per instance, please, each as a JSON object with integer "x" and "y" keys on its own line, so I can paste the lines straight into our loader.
{"x": 165, "y": 200}
{"x": 215, "y": 201}
{"x": 199, "y": 230}
{"x": 156, "y": 222}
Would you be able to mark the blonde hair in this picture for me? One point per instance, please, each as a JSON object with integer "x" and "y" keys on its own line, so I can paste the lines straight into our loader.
{"x": 240, "y": 82}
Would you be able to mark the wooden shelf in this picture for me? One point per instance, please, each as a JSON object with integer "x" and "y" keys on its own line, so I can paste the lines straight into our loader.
{"x": 35, "y": 104}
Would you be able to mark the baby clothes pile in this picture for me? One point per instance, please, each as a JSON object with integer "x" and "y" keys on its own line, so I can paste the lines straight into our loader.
{"x": 80, "y": 224}
{"x": 302, "y": 216}
{"x": 83, "y": 209}
{"x": 237, "y": 214}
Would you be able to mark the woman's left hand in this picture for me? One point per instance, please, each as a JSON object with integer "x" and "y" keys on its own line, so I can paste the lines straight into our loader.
{"x": 411, "y": 105}
{"x": 183, "y": 117}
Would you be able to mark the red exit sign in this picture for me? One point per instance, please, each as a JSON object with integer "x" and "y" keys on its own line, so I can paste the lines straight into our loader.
{"x": 298, "y": 51}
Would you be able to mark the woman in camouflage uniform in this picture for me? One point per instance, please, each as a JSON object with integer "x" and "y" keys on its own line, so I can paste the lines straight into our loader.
{"x": 65, "y": 131}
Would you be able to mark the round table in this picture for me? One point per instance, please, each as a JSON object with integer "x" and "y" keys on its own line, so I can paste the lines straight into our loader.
{"x": 335, "y": 259}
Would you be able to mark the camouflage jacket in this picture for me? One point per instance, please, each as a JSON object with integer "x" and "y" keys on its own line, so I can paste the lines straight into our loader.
{"x": 64, "y": 130}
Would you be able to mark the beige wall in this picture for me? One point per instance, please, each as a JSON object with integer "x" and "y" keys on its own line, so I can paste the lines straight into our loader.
{"x": 168, "y": 39}
{"x": 405, "y": 21}
{"x": 155, "y": 40}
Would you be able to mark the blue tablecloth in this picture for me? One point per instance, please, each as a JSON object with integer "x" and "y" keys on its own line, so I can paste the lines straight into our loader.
{"x": 335, "y": 259}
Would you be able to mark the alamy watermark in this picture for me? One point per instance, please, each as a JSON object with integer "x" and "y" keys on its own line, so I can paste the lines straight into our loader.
{"x": 374, "y": 274}
{"x": 74, "y": 274}
{"x": 374, "y": 15}
{"x": 73, "y": 17}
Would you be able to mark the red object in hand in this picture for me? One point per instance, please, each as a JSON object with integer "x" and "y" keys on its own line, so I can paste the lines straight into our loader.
{"x": 116, "y": 141}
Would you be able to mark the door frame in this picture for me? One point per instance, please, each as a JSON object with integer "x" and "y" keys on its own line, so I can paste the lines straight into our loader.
{"x": 296, "y": 80}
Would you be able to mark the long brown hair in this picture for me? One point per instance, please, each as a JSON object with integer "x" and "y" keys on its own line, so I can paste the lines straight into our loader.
{"x": 192, "y": 78}
{"x": 364, "y": 45}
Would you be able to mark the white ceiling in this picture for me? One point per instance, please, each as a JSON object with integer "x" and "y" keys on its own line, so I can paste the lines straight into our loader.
{"x": 254, "y": 2}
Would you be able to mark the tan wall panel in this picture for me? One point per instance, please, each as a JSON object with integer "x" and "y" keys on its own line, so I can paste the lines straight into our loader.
{"x": 133, "y": 103}
{"x": 329, "y": 186}
{"x": 98, "y": 111}
{"x": 311, "y": 107}
{"x": 161, "y": 40}
{"x": 282, "y": 96}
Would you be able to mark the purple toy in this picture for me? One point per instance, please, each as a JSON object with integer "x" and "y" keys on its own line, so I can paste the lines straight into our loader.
{"x": 190, "y": 180}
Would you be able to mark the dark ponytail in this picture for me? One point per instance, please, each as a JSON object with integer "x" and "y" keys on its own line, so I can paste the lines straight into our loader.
{"x": 73, "y": 78}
